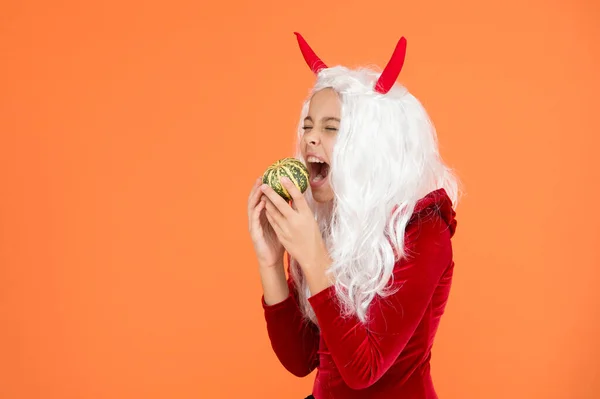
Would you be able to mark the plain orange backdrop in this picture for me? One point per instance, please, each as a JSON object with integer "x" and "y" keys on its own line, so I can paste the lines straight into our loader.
{"x": 131, "y": 133}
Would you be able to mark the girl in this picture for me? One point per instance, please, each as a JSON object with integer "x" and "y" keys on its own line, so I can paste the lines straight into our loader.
{"x": 368, "y": 245}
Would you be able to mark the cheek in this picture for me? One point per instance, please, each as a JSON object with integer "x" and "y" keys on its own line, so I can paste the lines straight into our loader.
{"x": 303, "y": 146}
{"x": 328, "y": 146}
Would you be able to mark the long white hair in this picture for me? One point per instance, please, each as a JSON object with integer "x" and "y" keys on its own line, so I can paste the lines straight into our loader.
{"x": 384, "y": 160}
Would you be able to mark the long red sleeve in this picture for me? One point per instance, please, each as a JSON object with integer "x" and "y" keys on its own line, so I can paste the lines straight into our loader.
{"x": 389, "y": 356}
{"x": 363, "y": 353}
{"x": 294, "y": 340}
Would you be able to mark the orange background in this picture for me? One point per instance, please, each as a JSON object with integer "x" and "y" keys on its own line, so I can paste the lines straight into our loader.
{"x": 132, "y": 132}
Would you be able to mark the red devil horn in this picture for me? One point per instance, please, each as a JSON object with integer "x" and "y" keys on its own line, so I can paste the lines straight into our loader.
{"x": 310, "y": 57}
{"x": 392, "y": 69}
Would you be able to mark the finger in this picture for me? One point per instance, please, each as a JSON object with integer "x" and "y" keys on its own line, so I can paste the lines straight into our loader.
{"x": 255, "y": 194}
{"x": 253, "y": 190}
{"x": 259, "y": 207}
{"x": 274, "y": 213}
{"x": 297, "y": 197}
{"x": 276, "y": 200}
{"x": 276, "y": 228}
{"x": 256, "y": 185}
{"x": 255, "y": 215}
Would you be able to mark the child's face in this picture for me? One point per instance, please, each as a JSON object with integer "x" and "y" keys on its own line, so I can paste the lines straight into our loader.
{"x": 321, "y": 127}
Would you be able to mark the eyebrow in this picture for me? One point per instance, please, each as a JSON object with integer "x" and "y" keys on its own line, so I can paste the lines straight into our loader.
{"x": 324, "y": 119}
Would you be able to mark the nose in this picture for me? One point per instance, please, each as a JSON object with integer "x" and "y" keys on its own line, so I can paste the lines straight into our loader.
{"x": 312, "y": 137}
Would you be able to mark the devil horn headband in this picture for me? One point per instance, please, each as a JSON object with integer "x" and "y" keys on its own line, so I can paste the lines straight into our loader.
{"x": 386, "y": 79}
{"x": 314, "y": 62}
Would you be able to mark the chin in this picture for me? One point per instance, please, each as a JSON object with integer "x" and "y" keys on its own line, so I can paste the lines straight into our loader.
{"x": 322, "y": 196}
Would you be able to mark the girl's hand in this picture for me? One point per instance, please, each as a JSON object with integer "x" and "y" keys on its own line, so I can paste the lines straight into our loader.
{"x": 295, "y": 226}
{"x": 269, "y": 250}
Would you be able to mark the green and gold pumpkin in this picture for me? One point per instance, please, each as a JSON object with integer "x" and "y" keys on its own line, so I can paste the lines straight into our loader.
{"x": 291, "y": 168}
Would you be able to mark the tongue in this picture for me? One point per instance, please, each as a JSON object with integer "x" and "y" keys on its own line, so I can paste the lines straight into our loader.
{"x": 322, "y": 173}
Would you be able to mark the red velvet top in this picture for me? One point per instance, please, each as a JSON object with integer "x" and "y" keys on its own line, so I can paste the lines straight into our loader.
{"x": 389, "y": 357}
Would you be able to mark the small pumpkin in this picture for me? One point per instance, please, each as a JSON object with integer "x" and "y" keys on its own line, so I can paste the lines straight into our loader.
{"x": 291, "y": 168}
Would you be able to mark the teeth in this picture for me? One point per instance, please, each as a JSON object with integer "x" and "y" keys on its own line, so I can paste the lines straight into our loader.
{"x": 314, "y": 160}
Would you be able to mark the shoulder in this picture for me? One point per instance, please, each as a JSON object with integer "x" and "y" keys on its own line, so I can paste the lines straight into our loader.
{"x": 434, "y": 209}
{"x": 431, "y": 227}
{"x": 427, "y": 248}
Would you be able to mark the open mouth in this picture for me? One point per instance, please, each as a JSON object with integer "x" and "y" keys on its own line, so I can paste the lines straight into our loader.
{"x": 317, "y": 168}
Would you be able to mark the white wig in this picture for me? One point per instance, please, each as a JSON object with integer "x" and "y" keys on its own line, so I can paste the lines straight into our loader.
{"x": 384, "y": 160}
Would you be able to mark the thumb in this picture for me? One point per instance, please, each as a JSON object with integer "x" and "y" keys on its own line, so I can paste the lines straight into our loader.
{"x": 298, "y": 200}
